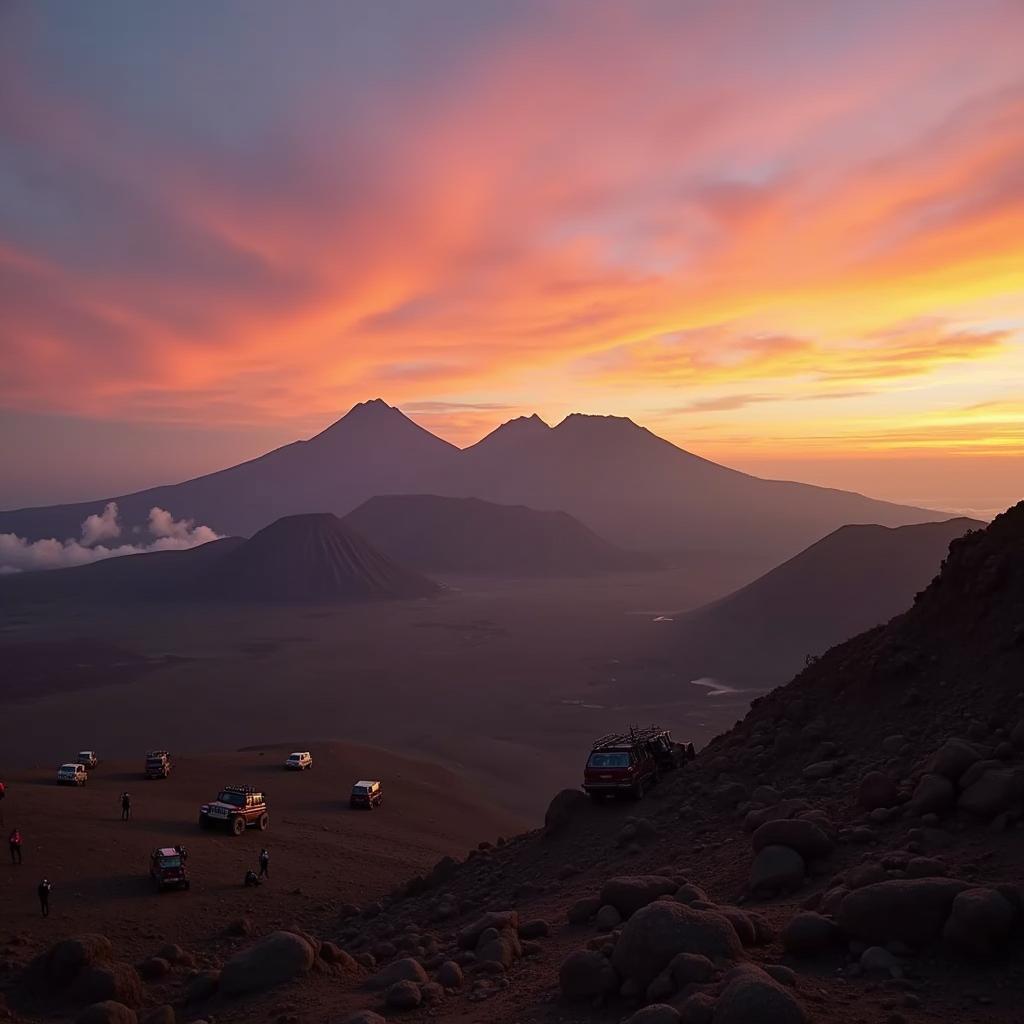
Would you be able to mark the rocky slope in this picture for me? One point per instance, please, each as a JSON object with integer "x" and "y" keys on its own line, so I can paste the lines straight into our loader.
{"x": 850, "y": 851}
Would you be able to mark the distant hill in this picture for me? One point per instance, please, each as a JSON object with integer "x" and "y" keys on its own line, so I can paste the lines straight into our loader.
{"x": 853, "y": 579}
{"x": 312, "y": 558}
{"x": 468, "y": 535}
{"x": 633, "y": 488}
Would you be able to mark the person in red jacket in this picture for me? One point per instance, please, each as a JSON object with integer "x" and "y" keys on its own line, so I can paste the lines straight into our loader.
{"x": 14, "y": 841}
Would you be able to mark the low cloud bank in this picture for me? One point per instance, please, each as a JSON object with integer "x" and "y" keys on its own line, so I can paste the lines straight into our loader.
{"x": 169, "y": 534}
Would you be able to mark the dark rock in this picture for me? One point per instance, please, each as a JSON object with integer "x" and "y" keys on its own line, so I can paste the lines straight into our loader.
{"x": 806, "y": 837}
{"x": 993, "y": 793}
{"x": 656, "y": 1013}
{"x": 741, "y": 921}
{"x": 628, "y": 893}
{"x": 689, "y": 968}
{"x": 776, "y": 869}
{"x": 115, "y": 982}
{"x": 586, "y": 974}
{"x": 66, "y": 959}
{"x": 953, "y": 758}
{"x": 107, "y": 1012}
{"x": 980, "y": 922}
{"x": 564, "y": 806}
{"x": 201, "y": 986}
{"x": 153, "y": 968}
{"x": 403, "y": 995}
{"x": 934, "y": 794}
{"x": 280, "y": 957}
{"x": 690, "y": 893}
{"x": 697, "y": 1009}
{"x": 657, "y": 932}
{"x": 160, "y": 1015}
{"x": 877, "y": 790}
{"x": 608, "y": 918}
{"x": 497, "y": 919}
{"x": 583, "y": 909}
{"x": 407, "y": 969}
{"x": 536, "y": 929}
{"x": 752, "y": 995}
{"x": 809, "y": 934}
{"x": 450, "y": 974}
{"x": 912, "y": 910}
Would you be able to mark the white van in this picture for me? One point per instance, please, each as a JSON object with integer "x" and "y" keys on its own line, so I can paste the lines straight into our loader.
{"x": 366, "y": 793}
{"x": 72, "y": 774}
{"x": 299, "y": 761}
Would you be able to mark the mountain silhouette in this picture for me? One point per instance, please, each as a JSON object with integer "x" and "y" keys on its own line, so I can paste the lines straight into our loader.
{"x": 850, "y": 581}
{"x": 628, "y": 485}
{"x": 474, "y": 536}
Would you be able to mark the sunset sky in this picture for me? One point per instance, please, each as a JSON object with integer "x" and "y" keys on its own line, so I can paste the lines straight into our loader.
{"x": 788, "y": 236}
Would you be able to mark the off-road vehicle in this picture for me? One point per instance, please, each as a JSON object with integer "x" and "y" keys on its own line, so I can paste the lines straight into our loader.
{"x": 72, "y": 774}
{"x": 158, "y": 764}
{"x": 236, "y": 808}
{"x": 366, "y": 793}
{"x": 167, "y": 868}
{"x": 89, "y": 758}
{"x": 300, "y": 761}
{"x": 627, "y": 764}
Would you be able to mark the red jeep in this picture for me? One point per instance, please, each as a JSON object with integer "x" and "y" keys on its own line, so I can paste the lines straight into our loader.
{"x": 626, "y": 764}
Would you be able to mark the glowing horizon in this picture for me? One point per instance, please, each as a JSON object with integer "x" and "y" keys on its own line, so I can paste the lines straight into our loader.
{"x": 772, "y": 233}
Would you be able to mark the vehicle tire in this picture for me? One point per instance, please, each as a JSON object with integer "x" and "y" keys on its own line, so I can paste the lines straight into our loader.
{"x": 264, "y": 822}
{"x": 204, "y": 821}
{"x": 237, "y": 825}
{"x": 637, "y": 792}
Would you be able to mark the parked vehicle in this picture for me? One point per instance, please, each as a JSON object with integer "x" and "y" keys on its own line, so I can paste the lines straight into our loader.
{"x": 366, "y": 793}
{"x": 88, "y": 758}
{"x": 167, "y": 868}
{"x": 236, "y": 808}
{"x": 299, "y": 761}
{"x": 72, "y": 774}
{"x": 627, "y": 764}
{"x": 158, "y": 764}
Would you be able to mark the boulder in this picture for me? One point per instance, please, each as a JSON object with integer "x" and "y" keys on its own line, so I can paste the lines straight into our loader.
{"x": 806, "y": 837}
{"x": 697, "y": 1009}
{"x": 925, "y": 867}
{"x": 934, "y": 794}
{"x": 742, "y": 923}
{"x": 108, "y": 982}
{"x": 752, "y": 995}
{"x": 809, "y": 934}
{"x": 980, "y": 922}
{"x": 497, "y": 919}
{"x": 503, "y": 948}
{"x": 766, "y": 795}
{"x": 993, "y": 793}
{"x": 690, "y": 968}
{"x": 153, "y": 968}
{"x": 333, "y": 954}
{"x": 449, "y": 974}
{"x": 564, "y": 806}
{"x": 67, "y": 958}
{"x": 656, "y": 1013}
{"x": 403, "y": 995}
{"x": 583, "y": 910}
{"x": 879, "y": 960}
{"x": 586, "y": 974}
{"x": 365, "y": 1017}
{"x": 628, "y": 893}
{"x": 280, "y": 957}
{"x": 608, "y": 918}
{"x": 657, "y": 932}
{"x": 953, "y": 758}
{"x": 912, "y": 910}
{"x": 690, "y": 893}
{"x": 107, "y": 1012}
{"x": 160, "y": 1015}
{"x": 536, "y": 929}
{"x": 201, "y": 986}
{"x": 877, "y": 790}
{"x": 820, "y": 770}
{"x": 776, "y": 869}
{"x": 406, "y": 969}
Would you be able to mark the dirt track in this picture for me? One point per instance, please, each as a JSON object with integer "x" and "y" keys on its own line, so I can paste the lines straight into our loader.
{"x": 321, "y": 851}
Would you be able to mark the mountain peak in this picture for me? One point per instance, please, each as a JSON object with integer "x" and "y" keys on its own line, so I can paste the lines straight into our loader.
{"x": 512, "y": 431}
{"x": 375, "y": 419}
{"x": 587, "y": 421}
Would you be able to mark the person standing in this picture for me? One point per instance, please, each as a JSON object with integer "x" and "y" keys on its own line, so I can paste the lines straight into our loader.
{"x": 264, "y": 864}
{"x": 14, "y": 841}
{"x": 44, "y": 896}
{"x": 126, "y": 806}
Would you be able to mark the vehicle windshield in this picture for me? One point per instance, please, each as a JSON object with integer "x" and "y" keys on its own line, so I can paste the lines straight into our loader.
{"x": 295, "y": 757}
{"x": 69, "y": 767}
{"x": 608, "y": 760}
{"x": 170, "y": 862}
{"x": 235, "y": 799}
{"x": 361, "y": 790}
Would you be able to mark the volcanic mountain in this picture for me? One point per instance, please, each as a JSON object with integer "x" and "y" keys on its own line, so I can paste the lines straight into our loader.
{"x": 468, "y": 535}
{"x": 630, "y": 486}
{"x": 855, "y": 578}
{"x": 310, "y": 558}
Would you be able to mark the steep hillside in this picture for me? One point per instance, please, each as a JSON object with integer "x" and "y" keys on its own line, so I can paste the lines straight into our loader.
{"x": 630, "y": 486}
{"x": 467, "y": 535}
{"x": 311, "y": 558}
{"x": 851, "y": 580}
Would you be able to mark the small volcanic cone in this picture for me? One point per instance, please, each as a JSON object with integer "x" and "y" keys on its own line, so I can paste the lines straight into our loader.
{"x": 311, "y": 558}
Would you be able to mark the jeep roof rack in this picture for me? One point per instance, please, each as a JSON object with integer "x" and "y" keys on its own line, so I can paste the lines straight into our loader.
{"x": 628, "y": 739}
{"x": 240, "y": 789}
{"x": 156, "y": 753}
